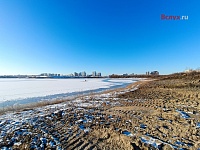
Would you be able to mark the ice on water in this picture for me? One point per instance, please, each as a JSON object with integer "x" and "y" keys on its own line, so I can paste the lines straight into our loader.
{"x": 21, "y": 89}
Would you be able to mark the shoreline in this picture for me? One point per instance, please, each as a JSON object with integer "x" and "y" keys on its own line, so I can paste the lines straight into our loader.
{"x": 47, "y": 102}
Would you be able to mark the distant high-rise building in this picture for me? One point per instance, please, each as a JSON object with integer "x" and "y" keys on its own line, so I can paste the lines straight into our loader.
{"x": 50, "y": 75}
{"x": 44, "y": 74}
{"x": 71, "y": 75}
{"x": 99, "y": 74}
{"x": 75, "y": 74}
{"x": 83, "y": 74}
{"x": 125, "y": 74}
{"x": 154, "y": 73}
{"x": 94, "y": 73}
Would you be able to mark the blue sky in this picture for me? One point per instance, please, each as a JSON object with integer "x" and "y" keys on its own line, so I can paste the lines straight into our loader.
{"x": 109, "y": 36}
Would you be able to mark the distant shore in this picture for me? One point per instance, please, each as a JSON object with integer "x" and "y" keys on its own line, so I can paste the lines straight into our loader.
{"x": 46, "y": 77}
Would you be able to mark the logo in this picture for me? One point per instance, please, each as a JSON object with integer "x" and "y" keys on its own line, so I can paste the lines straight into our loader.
{"x": 172, "y": 17}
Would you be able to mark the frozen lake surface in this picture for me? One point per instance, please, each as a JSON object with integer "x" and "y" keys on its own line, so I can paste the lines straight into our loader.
{"x": 23, "y": 91}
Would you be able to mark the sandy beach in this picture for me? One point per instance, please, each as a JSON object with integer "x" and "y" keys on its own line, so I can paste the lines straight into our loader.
{"x": 160, "y": 113}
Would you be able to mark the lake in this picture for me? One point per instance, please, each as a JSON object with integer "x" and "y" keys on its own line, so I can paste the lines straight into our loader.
{"x": 22, "y": 91}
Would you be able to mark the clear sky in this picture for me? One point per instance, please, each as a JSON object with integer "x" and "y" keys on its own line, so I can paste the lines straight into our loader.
{"x": 109, "y": 36}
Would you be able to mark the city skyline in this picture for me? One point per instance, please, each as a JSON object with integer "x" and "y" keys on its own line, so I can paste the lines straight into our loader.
{"x": 111, "y": 36}
{"x": 75, "y": 74}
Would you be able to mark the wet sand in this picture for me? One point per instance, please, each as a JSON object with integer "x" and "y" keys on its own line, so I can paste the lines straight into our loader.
{"x": 163, "y": 113}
